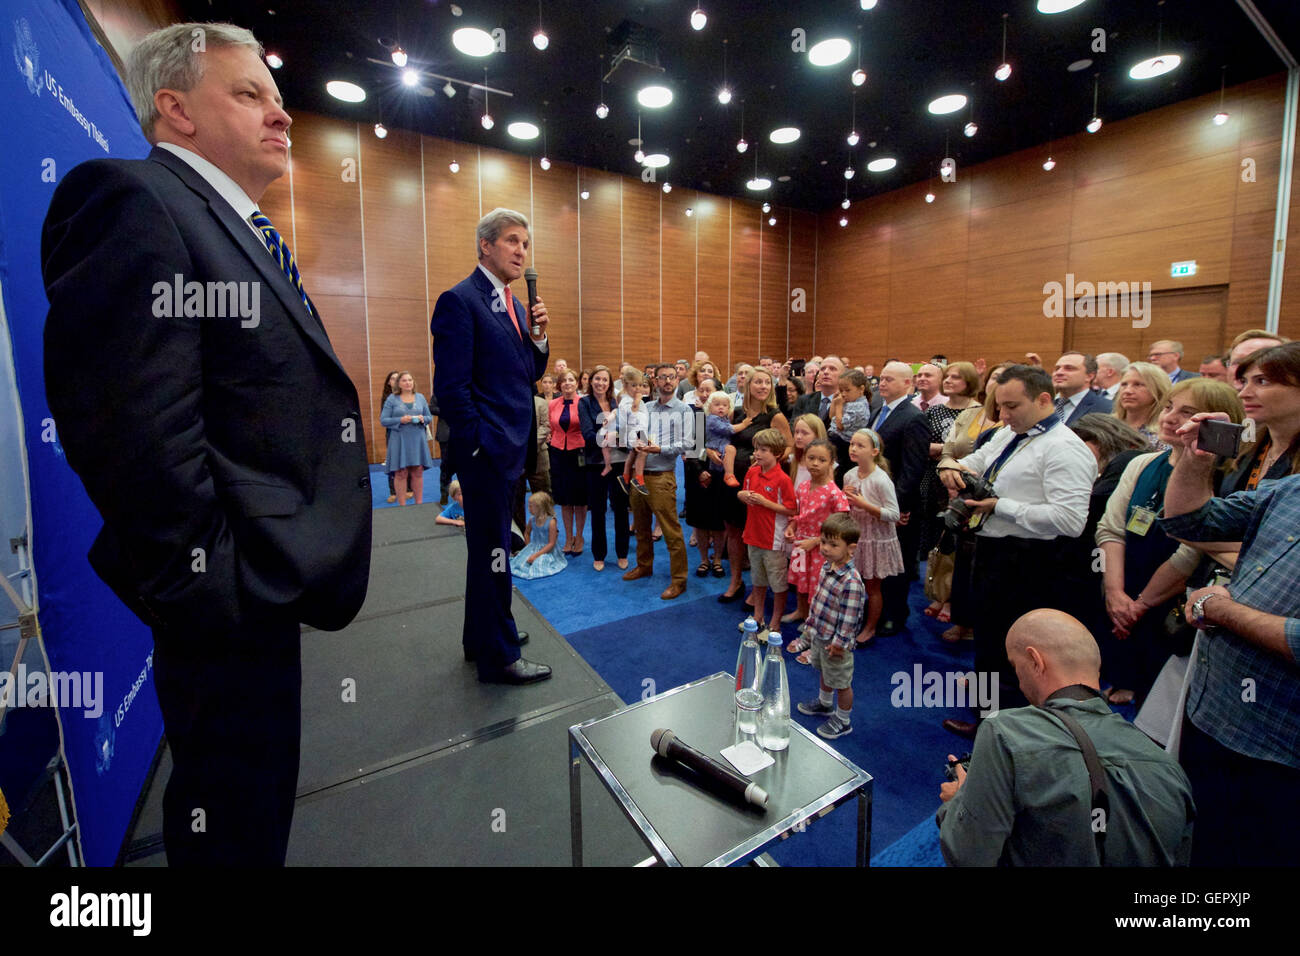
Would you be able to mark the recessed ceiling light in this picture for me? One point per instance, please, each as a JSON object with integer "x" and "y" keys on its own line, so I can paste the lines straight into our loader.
{"x": 381, "y": 130}
{"x": 656, "y": 160}
{"x": 345, "y": 91}
{"x": 949, "y": 103}
{"x": 399, "y": 56}
{"x": 829, "y": 52}
{"x": 1057, "y": 6}
{"x": 523, "y": 130}
{"x": 859, "y": 76}
{"x": 411, "y": 77}
{"x": 782, "y": 179}
{"x": 541, "y": 40}
{"x": 724, "y": 95}
{"x": 784, "y": 134}
{"x": 274, "y": 61}
{"x": 759, "y": 183}
{"x": 868, "y": 4}
{"x": 882, "y": 165}
{"x": 473, "y": 42}
{"x": 1078, "y": 65}
{"x": 1155, "y": 66}
{"x": 654, "y": 97}
{"x": 602, "y": 111}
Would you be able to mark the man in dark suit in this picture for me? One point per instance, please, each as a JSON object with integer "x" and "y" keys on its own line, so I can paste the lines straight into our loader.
{"x": 1072, "y": 378}
{"x": 1168, "y": 355}
{"x": 198, "y": 397}
{"x": 489, "y": 353}
{"x": 905, "y": 438}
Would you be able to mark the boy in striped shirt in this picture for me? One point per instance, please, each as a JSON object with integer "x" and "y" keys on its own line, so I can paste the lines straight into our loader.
{"x": 834, "y": 616}
{"x": 768, "y": 495}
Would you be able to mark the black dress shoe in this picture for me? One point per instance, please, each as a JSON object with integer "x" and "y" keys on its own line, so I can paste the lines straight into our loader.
{"x": 520, "y": 672}
{"x": 962, "y": 728}
{"x": 729, "y": 598}
{"x": 888, "y": 629}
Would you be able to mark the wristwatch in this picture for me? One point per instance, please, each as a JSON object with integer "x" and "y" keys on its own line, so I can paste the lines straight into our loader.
{"x": 1197, "y": 617}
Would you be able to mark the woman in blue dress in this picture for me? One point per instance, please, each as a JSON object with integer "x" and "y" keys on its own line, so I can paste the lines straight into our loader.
{"x": 539, "y": 559}
{"x": 405, "y": 415}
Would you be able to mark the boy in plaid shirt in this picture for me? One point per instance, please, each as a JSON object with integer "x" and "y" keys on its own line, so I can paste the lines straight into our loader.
{"x": 834, "y": 616}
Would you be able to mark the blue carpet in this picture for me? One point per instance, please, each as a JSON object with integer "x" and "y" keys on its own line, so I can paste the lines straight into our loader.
{"x": 641, "y": 646}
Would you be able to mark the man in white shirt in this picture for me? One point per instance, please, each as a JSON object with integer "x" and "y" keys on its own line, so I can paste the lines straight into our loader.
{"x": 929, "y": 383}
{"x": 1042, "y": 475}
{"x": 1110, "y": 369}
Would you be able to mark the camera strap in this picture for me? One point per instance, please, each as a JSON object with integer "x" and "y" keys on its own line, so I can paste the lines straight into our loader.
{"x": 1096, "y": 775}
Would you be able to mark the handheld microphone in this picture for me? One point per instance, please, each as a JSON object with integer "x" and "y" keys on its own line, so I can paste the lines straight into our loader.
{"x": 530, "y": 276}
{"x": 666, "y": 745}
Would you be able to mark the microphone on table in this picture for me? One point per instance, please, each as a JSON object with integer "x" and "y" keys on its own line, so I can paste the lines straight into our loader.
{"x": 666, "y": 745}
{"x": 530, "y": 276}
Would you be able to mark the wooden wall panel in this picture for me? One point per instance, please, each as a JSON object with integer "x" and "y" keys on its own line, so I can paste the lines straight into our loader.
{"x": 327, "y": 207}
{"x": 344, "y": 317}
{"x": 803, "y": 275}
{"x": 1017, "y": 277}
{"x": 640, "y": 224}
{"x": 713, "y": 265}
{"x": 1005, "y": 331}
{"x": 602, "y": 278}
{"x": 678, "y": 238}
{"x": 745, "y": 226}
{"x": 1145, "y": 255}
{"x": 937, "y": 295}
{"x": 774, "y": 305}
{"x": 399, "y": 339}
{"x": 1252, "y": 262}
{"x": 504, "y": 181}
{"x": 1032, "y": 224}
{"x": 555, "y": 257}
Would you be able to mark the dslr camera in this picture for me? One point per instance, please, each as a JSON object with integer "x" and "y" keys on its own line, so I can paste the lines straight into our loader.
{"x": 959, "y": 513}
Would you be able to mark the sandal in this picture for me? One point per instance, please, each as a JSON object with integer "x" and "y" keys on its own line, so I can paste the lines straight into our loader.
{"x": 717, "y": 570}
{"x": 798, "y": 645}
{"x": 933, "y": 609}
{"x": 702, "y": 570}
{"x": 805, "y": 657}
{"x": 945, "y": 615}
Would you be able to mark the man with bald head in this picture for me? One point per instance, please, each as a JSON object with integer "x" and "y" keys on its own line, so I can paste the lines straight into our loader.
{"x": 821, "y": 391}
{"x": 905, "y": 438}
{"x": 1028, "y": 798}
{"x": 929, "y": 387}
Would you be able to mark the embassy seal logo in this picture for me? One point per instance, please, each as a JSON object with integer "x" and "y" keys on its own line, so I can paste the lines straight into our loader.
{"x": 27, "y": 56}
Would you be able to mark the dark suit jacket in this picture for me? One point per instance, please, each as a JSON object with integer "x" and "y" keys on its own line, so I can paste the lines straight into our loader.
{"x": 197, "y": 432}
{"x": 485, "y": 373}
{"x": 906, "y": 439}
{"x": 1091, "y": 402}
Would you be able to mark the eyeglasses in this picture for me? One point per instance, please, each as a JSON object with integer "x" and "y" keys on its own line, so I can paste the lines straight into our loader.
{"x": 1152, "y": 355}
{"x": 666, "y": 378}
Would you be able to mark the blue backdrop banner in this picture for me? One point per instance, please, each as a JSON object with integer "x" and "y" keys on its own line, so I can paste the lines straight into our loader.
{"x": 63, "y": 103}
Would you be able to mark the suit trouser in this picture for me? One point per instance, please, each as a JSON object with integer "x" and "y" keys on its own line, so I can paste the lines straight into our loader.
{"x": 1240, "y": 820}
{"x": 446, "y": 468}
{"x": 489, "y": 636}
{"x": 894, "y": 589}
{"x": 599, "y": 488}
{"x": 1010, "y": 577}
{"x": 662, "y": 503}
{"x": 231, "y": 708}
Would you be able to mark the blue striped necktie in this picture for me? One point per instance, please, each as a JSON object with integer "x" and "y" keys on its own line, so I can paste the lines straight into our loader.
{"x": 280, "y": 252}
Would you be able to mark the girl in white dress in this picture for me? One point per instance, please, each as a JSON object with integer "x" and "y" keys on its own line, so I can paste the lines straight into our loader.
{"x": 874, "y": 506}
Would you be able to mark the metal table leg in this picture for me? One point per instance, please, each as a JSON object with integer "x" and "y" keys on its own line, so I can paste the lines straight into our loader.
{"x": 575, "y": 802}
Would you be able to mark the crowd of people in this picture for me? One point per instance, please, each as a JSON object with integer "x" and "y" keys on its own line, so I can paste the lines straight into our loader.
{"x": 1026, "y": 486}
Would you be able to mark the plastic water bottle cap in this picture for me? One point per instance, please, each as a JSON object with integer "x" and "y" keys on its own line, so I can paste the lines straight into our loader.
{"x": 751, "y": 625}
{"x": 774, "y": 637}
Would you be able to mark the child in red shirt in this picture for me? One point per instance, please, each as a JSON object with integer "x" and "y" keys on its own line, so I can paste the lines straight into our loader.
{"x": 769, "y": 497}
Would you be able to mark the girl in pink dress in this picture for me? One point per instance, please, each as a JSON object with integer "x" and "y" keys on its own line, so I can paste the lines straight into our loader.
{"x": 870, "y": 491}
{"x": 817, "y": 498}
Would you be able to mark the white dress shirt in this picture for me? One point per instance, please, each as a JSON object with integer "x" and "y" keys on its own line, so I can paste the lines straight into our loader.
{"x": 1042, "y": 489}
{"x": 502, "y": 290}
{"x": 227, "y": 188}
{"x": 1111, "y": 392}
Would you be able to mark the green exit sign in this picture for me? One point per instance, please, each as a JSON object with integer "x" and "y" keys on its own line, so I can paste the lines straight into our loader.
{"x": 1180, "y": 269}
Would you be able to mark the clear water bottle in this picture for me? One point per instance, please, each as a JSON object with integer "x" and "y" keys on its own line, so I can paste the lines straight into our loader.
{"x": 749, "y": 670}
{"x": 774, "y": 718}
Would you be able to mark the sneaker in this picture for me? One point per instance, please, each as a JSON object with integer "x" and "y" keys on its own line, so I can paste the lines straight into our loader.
{"x": 622, "y": 483}
{"x": 834, "y": 728}
{"x": 815, "y": 708}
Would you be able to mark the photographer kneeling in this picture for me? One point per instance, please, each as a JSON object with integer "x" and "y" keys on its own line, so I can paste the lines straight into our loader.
{"x": 1038, "y": 477}
{"x": 1066, "y": 782}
